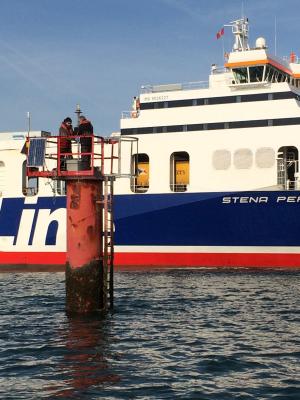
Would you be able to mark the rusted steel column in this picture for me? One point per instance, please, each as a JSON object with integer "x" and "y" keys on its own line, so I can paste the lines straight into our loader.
{"x": 85, "y": 285}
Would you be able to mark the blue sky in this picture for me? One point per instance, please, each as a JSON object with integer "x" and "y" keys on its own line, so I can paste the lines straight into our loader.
{"x": 57, "y": 53}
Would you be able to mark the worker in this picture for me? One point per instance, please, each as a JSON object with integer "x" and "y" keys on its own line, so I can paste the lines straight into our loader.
{"x": 65, "y": 131}
{"x": 85, "y": 131}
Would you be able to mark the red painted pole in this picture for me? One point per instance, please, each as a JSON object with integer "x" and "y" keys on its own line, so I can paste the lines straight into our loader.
{"x": 89, "y": 233}
{"x": 85, "y": 284}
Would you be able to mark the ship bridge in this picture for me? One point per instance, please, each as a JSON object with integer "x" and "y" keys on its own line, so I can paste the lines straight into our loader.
{"x": 256, "y": 65}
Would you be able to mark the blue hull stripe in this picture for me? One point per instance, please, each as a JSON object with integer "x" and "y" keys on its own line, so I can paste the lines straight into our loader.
{"x": 183, "y": 219}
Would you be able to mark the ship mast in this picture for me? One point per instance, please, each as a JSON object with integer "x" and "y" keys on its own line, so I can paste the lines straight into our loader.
{"x": 240, "y": 30}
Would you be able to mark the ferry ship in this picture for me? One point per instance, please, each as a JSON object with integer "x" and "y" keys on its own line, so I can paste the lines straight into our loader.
{"x": 215, "y": 179}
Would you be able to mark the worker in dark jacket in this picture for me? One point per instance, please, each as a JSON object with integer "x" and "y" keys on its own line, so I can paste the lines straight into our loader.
{"x": 85, "y": 128}
{"x": 65, "y": 131}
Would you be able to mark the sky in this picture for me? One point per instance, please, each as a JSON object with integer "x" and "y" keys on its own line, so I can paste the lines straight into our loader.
{"x": 55, "y": 54}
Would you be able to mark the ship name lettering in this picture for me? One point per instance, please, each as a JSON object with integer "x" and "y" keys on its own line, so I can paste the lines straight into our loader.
{"x": 288, "y": 199}
{"x": 245, "y": 199}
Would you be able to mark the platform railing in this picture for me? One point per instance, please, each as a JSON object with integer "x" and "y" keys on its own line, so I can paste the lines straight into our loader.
{"x": 47, "y": 158}
{"x": 98, "y": 158}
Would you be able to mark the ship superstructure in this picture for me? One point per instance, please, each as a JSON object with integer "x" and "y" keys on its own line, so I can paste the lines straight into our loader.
{"x": 233, "y": 128}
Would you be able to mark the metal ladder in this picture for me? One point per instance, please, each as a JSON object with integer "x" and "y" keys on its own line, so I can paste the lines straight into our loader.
{"x": 108, "y": 240}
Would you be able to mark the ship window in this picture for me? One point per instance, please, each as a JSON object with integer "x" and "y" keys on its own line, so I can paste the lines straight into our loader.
{"x": 248, "y": 124}
{"x": 140, "y": 172}
{"x": 240, "y": 75}
{"x": 146, "y": 130}
{"x": 175, "y": 128}
{"x": 146, "y": 106}
{"x": 195, "y": 127}
{"x": 286, "y": 121}
{"x": 222, "y": 100}
{"x": 268, "y": 74}
{"x": 215, "y": 125}
{"x": 243, "y": 159}
{"x": 60, "y": 187}
{"x": 256, "y": 74}
{"x": 265, "y": 157}
{"x": 159, "y": 104}
{"x": 182, "y": 103}
{"x": 179, "y": 171}
{"x": 275, "y": 76}
{"x": 255, "y": 97}
{"x": 126, "y": 131}
{"x": 30, "y": 185}
{"x": 221, "y": 159}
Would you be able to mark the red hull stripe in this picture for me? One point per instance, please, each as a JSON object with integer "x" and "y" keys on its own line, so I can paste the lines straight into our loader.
{"x": 32, "y": 258}
{"x": 164, "y": 259}
{"x": 208, "y": 259}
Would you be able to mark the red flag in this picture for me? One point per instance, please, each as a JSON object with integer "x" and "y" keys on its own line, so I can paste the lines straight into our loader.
{"x": 220, "y": 33}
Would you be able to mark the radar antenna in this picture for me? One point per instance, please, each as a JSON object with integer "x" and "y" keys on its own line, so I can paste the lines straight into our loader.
{"x": 240, "y": 30}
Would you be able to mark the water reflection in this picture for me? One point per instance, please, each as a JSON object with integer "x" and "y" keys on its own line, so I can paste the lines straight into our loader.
{"x": 85, "y": 362}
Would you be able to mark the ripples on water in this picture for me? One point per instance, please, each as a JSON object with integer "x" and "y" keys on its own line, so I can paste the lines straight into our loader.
{"x": 184, "y": 334}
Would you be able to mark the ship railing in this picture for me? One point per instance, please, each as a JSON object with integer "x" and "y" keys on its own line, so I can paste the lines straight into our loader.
{"x": 174, "y": 87}
{"x": 287, "y": 59}
{"x": 178, "y": 187}
{"x": 129, "y": 114}
{"x": 219, "y": 70}
{"x": 135, "y": 188}
{"x": 292, "y": 184}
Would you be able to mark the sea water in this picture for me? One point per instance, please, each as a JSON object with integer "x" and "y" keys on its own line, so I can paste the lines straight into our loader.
{"x": 173, "y": 334}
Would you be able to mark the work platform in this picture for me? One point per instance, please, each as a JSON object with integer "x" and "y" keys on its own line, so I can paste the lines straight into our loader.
{"x": 46, "y": 157}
